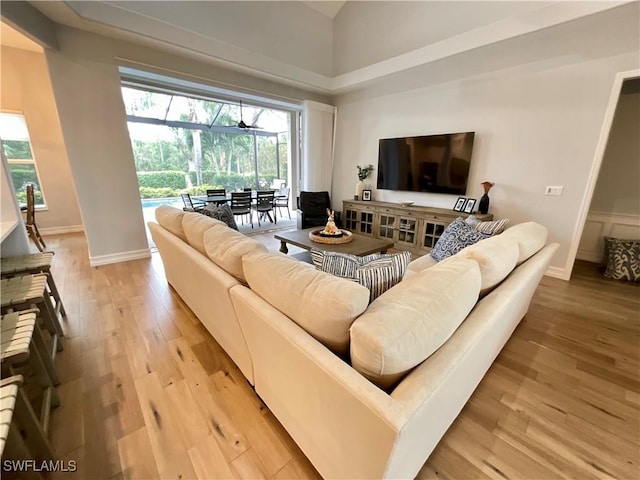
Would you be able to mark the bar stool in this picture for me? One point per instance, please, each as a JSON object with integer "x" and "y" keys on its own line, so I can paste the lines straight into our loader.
{"x": 33, "y": 263}
{"x": 30, "y": 291}
{"x": 15, "y": 414}
{"x": 22, "y": 343}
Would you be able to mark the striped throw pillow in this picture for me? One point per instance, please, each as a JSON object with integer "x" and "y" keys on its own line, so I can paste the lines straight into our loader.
{"x": 377, "y": 272}
{"x": 492, "y": 228}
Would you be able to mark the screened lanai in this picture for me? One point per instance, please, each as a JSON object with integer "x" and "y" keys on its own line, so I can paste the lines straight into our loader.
{"x": 185, "y": 143}
{"x": 189, "y": 144}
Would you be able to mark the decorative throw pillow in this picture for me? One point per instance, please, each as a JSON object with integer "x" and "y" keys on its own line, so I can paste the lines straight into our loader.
{"x": 493, "y": 228}
{"x": 222, "y": 213}
{"x": 377, "y": 272}
{"x": 458, "y": 235}
{"x": 624, "y": 259}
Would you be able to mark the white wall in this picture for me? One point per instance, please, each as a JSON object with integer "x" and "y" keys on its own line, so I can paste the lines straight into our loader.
{"x": 536, "y": 103}
{"x": 618, "y": 187}
{"x": 94, "y": 125}
{"x": 26, "y": 89}
{"x": 317, "y": 146}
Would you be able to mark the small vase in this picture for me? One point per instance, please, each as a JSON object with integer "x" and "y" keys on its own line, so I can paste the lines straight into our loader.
{"x": 483, "y": 206}
{"x": 360, "y": 186}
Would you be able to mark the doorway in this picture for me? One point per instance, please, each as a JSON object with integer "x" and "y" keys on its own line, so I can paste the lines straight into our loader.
{"x": 612, "y": 201}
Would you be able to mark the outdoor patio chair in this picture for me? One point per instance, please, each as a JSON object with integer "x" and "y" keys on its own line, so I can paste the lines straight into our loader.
{"x": 282, "y": 200}
{"x": 264, "y": 205}
{"x": 217, "y": 192}
{"x": 190, "y": 205}
{"x": 241, "y": 205}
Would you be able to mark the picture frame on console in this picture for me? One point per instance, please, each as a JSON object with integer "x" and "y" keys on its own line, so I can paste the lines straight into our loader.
{"x": 366, "y": 195}
{"x": 459, "y": 204}
{"x": 468, "y": 207}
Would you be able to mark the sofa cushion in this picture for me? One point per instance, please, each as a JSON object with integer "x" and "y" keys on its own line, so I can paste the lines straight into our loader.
{"x": 458, "y": 235}
{"x": 170, "y": 218}
{"x": 322, "y": 304}
{"x": 222, "y": 213}
{"x": 194, "y": 225}
{"x": 226, "y": 247}
{"x": 531, "y": 237}
{"x": 378, "y": 272}
{"x": 496, "y": 256}
{"x": 421, "y": 263}
{"x": 409, "y": 322}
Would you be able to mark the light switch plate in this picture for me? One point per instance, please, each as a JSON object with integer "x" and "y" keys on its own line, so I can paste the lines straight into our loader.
{"x": 553, "y": 190}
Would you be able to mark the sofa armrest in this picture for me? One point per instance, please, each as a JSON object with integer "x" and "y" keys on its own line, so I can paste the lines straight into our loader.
{"x": 434, "y": 393}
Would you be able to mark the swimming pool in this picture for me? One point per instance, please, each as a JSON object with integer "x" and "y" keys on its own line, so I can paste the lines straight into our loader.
{"x": 156, "y": 202}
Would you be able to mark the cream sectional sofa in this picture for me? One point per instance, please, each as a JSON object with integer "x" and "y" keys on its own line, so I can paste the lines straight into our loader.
{"x": 348, "y": 379}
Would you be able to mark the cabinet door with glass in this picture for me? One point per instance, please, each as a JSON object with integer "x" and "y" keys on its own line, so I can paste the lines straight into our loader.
{"x": 386, "y": 228}
{"x": 431, "y": 232}
{"x": 365, "y": 222}
{"x": 359, "y": 220}
{"x": 400, "y": 228}
{"x": 407, "y": 232}
{"x": 351, "y": 219}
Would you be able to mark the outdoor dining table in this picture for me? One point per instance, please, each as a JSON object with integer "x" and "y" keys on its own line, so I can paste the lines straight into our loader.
{"x": 220, "y": 199}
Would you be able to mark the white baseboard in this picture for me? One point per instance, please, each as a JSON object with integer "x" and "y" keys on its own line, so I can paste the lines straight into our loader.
{"x": 556, "y": 272}
{"x": 61, "y": 230}
{"x": 119, "y": 257}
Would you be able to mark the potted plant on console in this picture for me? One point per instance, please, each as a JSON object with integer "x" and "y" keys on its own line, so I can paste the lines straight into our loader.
{"x": 363, "y": 174}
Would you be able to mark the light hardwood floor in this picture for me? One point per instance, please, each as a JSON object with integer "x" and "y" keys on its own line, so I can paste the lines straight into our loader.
{"x": 147, "y": 393}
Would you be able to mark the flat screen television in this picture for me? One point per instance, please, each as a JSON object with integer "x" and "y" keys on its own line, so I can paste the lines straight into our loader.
{"x": 430, "y": 163}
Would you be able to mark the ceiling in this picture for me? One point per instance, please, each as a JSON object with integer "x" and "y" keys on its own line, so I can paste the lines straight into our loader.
{"x": 328, "y": 8}
{"x": 327, "y": 47}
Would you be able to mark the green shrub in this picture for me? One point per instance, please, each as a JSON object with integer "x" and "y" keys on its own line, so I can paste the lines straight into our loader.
{"x": 168, "y": 179}
{"x": 21, "y": 196}
{"x": 199, "y": 190}
{"x": 22, "y": 175}
{"x": 232, "y": 181}
{"x": 148, "y": 192}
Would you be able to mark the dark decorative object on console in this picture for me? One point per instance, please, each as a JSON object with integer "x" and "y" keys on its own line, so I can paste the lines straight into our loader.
{"x": 483, "y": 206}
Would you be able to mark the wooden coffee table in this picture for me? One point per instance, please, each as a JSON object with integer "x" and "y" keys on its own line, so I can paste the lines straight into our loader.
{"x": 360, "y": 245}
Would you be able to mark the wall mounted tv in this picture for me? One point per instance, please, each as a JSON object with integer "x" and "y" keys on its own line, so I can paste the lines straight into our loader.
{"x": 430, "y": 163}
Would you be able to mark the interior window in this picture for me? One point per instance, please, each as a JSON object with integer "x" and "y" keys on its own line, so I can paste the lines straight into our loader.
{"x": 14, "y": 138}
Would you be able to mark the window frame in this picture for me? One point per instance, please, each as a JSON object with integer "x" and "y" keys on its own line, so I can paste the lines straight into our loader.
{"x": 24, "y": 161}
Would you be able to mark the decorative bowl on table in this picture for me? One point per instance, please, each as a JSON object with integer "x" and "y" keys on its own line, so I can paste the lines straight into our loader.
{"x": 319, "y": 236}
{"x": 406, "y": 204}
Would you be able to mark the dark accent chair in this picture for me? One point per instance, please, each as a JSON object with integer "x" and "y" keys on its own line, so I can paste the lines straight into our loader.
{"x": 312, "y": 210}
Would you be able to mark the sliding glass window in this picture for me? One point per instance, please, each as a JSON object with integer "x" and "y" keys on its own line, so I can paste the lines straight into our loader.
{"x": 14, "y": 138}
{"x": 189, "y": 144}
